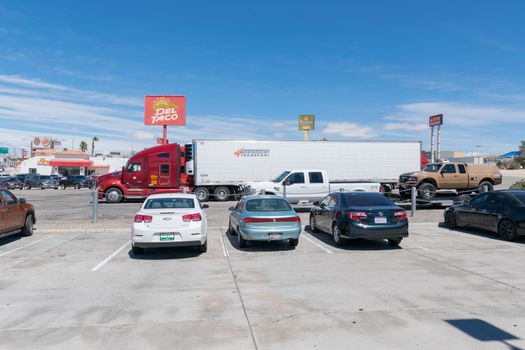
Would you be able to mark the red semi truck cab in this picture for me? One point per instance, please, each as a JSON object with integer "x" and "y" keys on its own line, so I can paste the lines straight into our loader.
{"x": 158, "y": 169}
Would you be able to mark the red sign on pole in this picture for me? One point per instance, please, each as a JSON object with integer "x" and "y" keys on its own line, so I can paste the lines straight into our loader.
{"x": 435, "y": 120}
{"x": 165, "y": 110}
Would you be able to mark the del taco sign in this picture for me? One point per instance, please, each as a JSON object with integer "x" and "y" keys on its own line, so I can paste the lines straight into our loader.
{"x": 165, "y": 110}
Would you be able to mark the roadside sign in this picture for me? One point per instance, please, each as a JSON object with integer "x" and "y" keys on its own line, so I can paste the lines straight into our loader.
{"x": 435, "y": 120}
{"x": 307, "y": 122}
{"x": 160, "y": 141}
{"x": 4, "y": 150}
{"x": 165, "y": 110}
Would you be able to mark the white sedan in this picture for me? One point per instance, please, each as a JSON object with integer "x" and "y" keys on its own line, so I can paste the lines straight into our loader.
{"x": 170, "y": 220}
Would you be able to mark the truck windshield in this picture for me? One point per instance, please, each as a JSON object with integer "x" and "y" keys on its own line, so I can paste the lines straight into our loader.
{"x": 281, "y": 177}
{"x": 432, "y": 168}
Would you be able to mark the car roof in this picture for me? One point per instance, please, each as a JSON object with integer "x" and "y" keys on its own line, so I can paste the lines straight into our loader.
{"x": 172, "y": 195}
{"x": 259, "y": 196}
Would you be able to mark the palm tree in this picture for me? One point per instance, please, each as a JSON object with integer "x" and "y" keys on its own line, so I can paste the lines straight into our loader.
{"x": 95, "y": 139}
{"x": 83, "y": 146}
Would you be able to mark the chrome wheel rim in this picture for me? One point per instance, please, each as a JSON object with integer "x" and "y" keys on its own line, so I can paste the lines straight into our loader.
{"x": 113, "y": 196}
{"x": 200, "y": 195}
{"x": 337, "y": 234}
{"x": 312, "y": 223}
{"x": 221, "y": 194}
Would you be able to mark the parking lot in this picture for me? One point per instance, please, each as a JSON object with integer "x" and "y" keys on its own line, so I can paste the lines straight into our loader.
{"x": 77, "y": 285}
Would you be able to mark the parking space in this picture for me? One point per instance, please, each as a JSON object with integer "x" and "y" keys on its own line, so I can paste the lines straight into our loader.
{"x": 61, "y": 289}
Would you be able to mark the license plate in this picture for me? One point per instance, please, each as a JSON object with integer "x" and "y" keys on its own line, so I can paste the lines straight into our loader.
{"x": 380, "y": 220}
{"x": 168, "y": 236}
{"x": 275, "y": 236}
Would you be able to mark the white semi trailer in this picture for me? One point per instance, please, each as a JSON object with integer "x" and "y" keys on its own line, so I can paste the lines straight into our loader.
{"x": 221, "y": 168}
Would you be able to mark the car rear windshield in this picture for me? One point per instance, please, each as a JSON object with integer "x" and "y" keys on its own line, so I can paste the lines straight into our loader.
{"x": 267, "y": 204}
{"x": 520, "y": 197}
{"x": 365, "y": 199}
{"x": 169, "y": 203}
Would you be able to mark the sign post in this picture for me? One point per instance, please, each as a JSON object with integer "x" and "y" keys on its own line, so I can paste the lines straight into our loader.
{"x": 306, "y": 123}
{"x": 435, "y": 120}
{"x": 165, "y": 110}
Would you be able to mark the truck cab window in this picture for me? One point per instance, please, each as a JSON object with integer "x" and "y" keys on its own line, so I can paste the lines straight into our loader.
{"x": 449, "y": 169}
{"x": 164, "y": 169}
{"x": 462, "y": 169}
{"x": 315, "y": 177}
{"x": 296, "y": 178}
{"x": 133, "y": 167}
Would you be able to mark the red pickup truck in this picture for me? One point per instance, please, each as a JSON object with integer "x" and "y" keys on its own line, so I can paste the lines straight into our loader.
{"x": 15, "y": 214}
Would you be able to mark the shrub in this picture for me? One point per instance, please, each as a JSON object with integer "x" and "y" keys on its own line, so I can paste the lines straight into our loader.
{"x": 510, "y": 164}
{"x": 520, "y": 185}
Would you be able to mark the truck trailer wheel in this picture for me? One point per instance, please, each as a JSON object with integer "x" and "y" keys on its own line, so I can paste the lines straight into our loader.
{"x": 222, "y": 193}
{"x": 426, "y": 191}
{"x": 113, "y": 195}
{"x": 485, "y": 186}
{"x": 202, "y": 194}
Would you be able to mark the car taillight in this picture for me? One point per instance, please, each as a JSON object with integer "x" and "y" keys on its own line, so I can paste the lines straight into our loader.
{"x": 191, "y": 217}
{"x": 283, "y": 219}
{"x": 143, "y": 218}
{"x": 401, "y": 214}
{"x": 356, "y": 215}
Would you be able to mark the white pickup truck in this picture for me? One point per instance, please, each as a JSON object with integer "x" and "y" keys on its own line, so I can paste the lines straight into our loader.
{"x": 307, "y": 185}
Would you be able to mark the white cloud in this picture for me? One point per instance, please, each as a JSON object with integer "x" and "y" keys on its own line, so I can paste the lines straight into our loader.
{"x": 278, "y": 125}
{"x": 279, "y": 134}
{"x": 406, "y": 126}
{"x": 142, "y": 135}
{"x": 348, "y": 129}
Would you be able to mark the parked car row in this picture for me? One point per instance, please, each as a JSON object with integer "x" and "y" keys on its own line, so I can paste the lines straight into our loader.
{"x": 29, "y": 181}
{"x": 173, "y": 220}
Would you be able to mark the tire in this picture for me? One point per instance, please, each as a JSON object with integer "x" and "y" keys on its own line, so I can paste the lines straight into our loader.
{"x": 293, "y": 242}
{"x": 485, "y": 186}
{"x": 64, "y": 186}
{"x": 230, "y": 231}
{"x": 202, "y": 194}
{"x": 313, "y": 228}
{"x": 394, "y": 242}
{"x": 506, "y": 230}
{"x": 41, "y": 187}
{"x": 242, "y": 242}
{"x": 462, "y": 199}
{"x": 203, "y": 248}
{"x": 137, "y": 250}
{"x": 27, "y": 230}
{"x": 56, "y": 188}
{"x": 336, "y": 235}
{"x": 222, "y": 193}
{"x": 426, "y": 191}
{"x": 450, "y": 220}
{"x": 113, "y": 195}
{"x": 77, "y": 186}
{"x": 404, "y": 194}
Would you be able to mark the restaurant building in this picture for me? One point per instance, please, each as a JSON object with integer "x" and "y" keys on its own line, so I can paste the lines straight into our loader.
{"x": 53, "y": 162}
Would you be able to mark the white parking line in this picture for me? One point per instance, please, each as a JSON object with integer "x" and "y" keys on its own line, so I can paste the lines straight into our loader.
{"x": 224, "y": 249}
{"x": 317, "y": 244}
{"x": 105, "y": 261}
{"x": 22, "y": 247}
{"x": 418, "y": 246}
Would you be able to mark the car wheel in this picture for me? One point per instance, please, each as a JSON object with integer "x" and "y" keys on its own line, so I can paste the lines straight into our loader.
{"x": 222, "y": 193}
{"x": 27, "y": 230}
{"x": 41, "y": 187}
{"x": 203, "y": 248}
{"x": 64, "y": 187}
{"x": 507, "y": 230}
{"x": 450, "y": 220}
{"x": 77, "y": 186}
{"x": 293, "y": 242}
{"x": 394, "y": 242}
{"x": 56, "y": 188}
{"x": 485, "y": 186}
{"x": 113, "y": 195}
{"x": 202, "y": 194}
{"x": 137, "y": 250}
{"x": 242, "y": 242}
{"x": 231, "y": 231}
{"x": 426, "y": 191}
{"x": 336, "y": 235}
{"x": 313, "y": 228}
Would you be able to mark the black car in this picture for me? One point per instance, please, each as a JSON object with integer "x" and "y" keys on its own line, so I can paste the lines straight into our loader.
{"x": 350, "y": 215}
{"x": 76, "y": 181}
{"x": 11, "y": 183}
{"x": 31, "y": 181}
{"x": 502, "y": 212}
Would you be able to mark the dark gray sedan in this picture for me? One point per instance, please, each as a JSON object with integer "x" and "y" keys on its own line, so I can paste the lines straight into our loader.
{"x": 502, "y": 212}
{"x": 350, "y": 215}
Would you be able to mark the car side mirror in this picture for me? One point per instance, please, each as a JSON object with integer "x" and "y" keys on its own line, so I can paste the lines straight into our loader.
{"x": 21, "y": 201}
{"x": 323, "y": 205}
{"x": 205, "y": 206}
{"x": 287, "y": 182}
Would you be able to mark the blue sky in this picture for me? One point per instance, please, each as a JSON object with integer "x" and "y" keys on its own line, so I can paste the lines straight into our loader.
{"x": 367, "y": 70}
